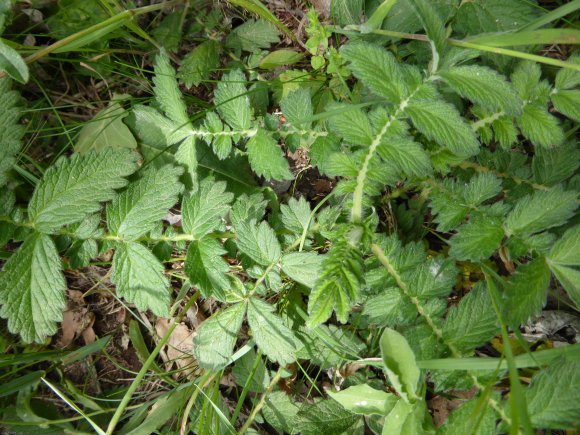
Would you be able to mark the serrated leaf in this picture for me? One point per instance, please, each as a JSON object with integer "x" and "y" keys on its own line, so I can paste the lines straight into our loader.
{"x": 552, "y": 166}
{"x": 297, "y": 108}
{"x": 296, "y": 215}
{"x": 377, "y": 69}
{"x": 74, "y": 187}
{"x": 280, "y": 411}
{"x": 442, "y": 123}
{"x": 480, "y": 188}
{"x": 205, "y": 208}
{"x": 11, "y": 131}
{"x": 365, "y": 400}
{"x": 33, "y": 287}
{"x": 477, "y": 239}
{"x": 483, "y": 86}
{"x": 253, "y": 36}
{"x": 463, "y": 419}
{"x": 400, "y": 364}
{"x": 324, "y": 416}
{"x": 273, "y": 338}
{"x": 243, "y": 370}
{"x": 568, "y": 103}
{"x": 541, "y": 210}
{"x": 553, "y": 396}
{"x": 566, "y": 251}
{"x": 541, "y": 128}
{"x": 206, "y": 269}
{"x": 434, "y": 27}
{"x": 140, "y": 278}
{"x": 303, "y": 267}
{"x": 409, "y": 156}
{"x": 138, "y": 208}
{"x": 281, "y": 57}
{"x": 346, "y": 12}
{"x": 489, "y": 16}
{"x": 568, "y": 78}
{"x": 258, "y": 242}
{"x": 167, "y": 91}
{"x": 526, "y": 294}
{"x": 214, "y": 343}
{"x": 156, "y": 130}
{"x": 350, "y": 123}
{"x": 472, "y": 322}
{"x": 106, "y": 130}
{"x": 231, "y": 100}
{"x": 570, "y": 280}
{"x": 266, "y": 157}
{"x": 199, "y": 63}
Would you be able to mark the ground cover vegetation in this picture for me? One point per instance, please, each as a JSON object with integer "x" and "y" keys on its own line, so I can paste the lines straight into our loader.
{"x": 289, "y": 217}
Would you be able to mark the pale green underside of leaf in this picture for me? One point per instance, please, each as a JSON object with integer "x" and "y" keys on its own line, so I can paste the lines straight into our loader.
{"x": 568, "y": 103}
{"x": 365, "y": 400}
{"x": 32, "y": 289}
{"x": 442, "y": 123}
{"x": 204, "y": 210}
{"x": 10, "y": 131}
{"x": 273, "y": 338}
{"x": 472, "y": 322}
{"x": 231, "y": 100}
{"x": 206, "y": 268}
{"x": 527, "y": 293}
{"x": 302, "y": 267}
{"x": 74, "y": 187}
{"x": 400, "y": 364}
{"x": 541, "y": 210}
{"x": 214, "y": 343}
{"x": 484, "y": 86}
{"x": 140, "y": 278}
{"x": 258, "y": 242}
{"x": 253, "y": 36}
{"x": 266, "y": 157}
{"x": 138, "y": 208}
{"x": 157, "y": 130}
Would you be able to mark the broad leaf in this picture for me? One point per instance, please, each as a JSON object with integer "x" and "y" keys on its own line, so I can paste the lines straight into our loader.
{"x": 324, "y": 416}
{"x": 477, "y": 239}
{"x": 266, "y": 157}
{"x": 400, "y": 364}
{"x": 32, "y": 289}
{"x": 273, "y": 338}
{"x": 206, "y": 269}
{"x": 365, "y": 400}
{"x": 253, "y": 36}
{"x": 244, "y": 368}
{"x": 568, "y": 103}
{"x": 280, "y": 411}
{"x": 434, "y": 26}
{"x": 199, "y": 63}
{"x": 541, "y": 128}
{"x": 296, "y": 215}
{"x": 216, "y": 337}
{"x": 140, "y": 278}
{"x": 463, "y": 419}
{"x": 12, "y": 63}
{"x": 167, "y": 91}
{"x": 552, "y": 166}
{"x": 74, "y": 187}
{"x": 258, "y": 242}
{"x": 204, "y": 210}
{"x": 302, "y": 267}
{"x": 138, "y": 208}
{"x": 231, "y": 100}
{"x": 297, "y": 108}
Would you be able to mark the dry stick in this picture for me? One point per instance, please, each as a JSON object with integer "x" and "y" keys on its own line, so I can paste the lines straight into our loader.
{"x": 137, "y": 381}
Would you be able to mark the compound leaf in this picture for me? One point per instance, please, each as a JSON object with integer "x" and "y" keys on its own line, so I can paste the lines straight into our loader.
{"x": 206, "y": 268}
{"x": 541, "y": 128}
{"x": 302, "y": 267}
{"x": 258, "y": 242}
{"x": 231, "y": 100}
{"x": 33, "y": 286}
{"x": 199, "y": 63}
{"x": 74, "y": 187}
{"x": 477, "y": 239}
{"x": 167, "y": 91}
{"x": 253, "y": 36}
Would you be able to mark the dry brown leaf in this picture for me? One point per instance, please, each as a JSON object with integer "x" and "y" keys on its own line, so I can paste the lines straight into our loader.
{"x": 74, "y": 322}
{"x": 179, "y": 349}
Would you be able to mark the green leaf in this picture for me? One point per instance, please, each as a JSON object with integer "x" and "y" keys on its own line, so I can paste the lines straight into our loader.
{"x": 338, "y": 286}
{"x": 156, "y": 130}
{"x": 324, "y": 416}
{"x": 463, "y": 419}
{"x": 472, "y": 322}
{"x": 140, "y": 278}
{"x": 243, "y": 370}
{"x": 167, "y": 91}
{"x": 106, "y": 130}
{"x": 303, "y": 267}
{"x": 409, "y": 156}
{"x": 434, "y": 26}
{"x": 282, "y": 57}
{"x": 568, "y": 103}
{"x": 74, "y": 187}
{"x": 527, "y": 293}
{"x": 296, "y": 215}
{"x": 206, "y": 269}
{"x": 297, "y": 108}
{"x": 266, "y": 157}
{"x": 205, "y": 208}
{"x": 483, "y": 86}
{"x": 570, "y": 280}
{"x": 442, "y": 123}
{"x": 350, "y": 123}
{"x": 541, "y": 128}
{"x": 280, "y": 411}
{"x": 477, "y": 239}
{"x": 13, "y": 64}
{"x": 541, "y": 210}
{"x": 553, "y": 396}
{"x": 232, "y": 102}
{"x": 489, "y": 16}
{"x": 11, "y": 132}
{"x": 273, "y": 338}
{"x": 405, "y": 419}
{"x": 568, "y": 78}
{"x": 33, "y": 287}
{"x": 138, "y": 208}
{"x": 552, "y": 166}
{"x": 566, "y": 251}
{"x": 253, "y": 36}
{"x": 365, "y": 400}
{"x": 377, "y": 69}
{"x": 199, "y": 63}
{"x": 214, "y": 343}
{"x": 346, "y": 12}
{"x": 400, "y": 364}
{"x": 258, "y": 242}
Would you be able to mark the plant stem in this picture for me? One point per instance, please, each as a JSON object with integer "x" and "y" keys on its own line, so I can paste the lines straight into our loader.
{"x": 137, "y": 381}
{"x": 261, "y": 403}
